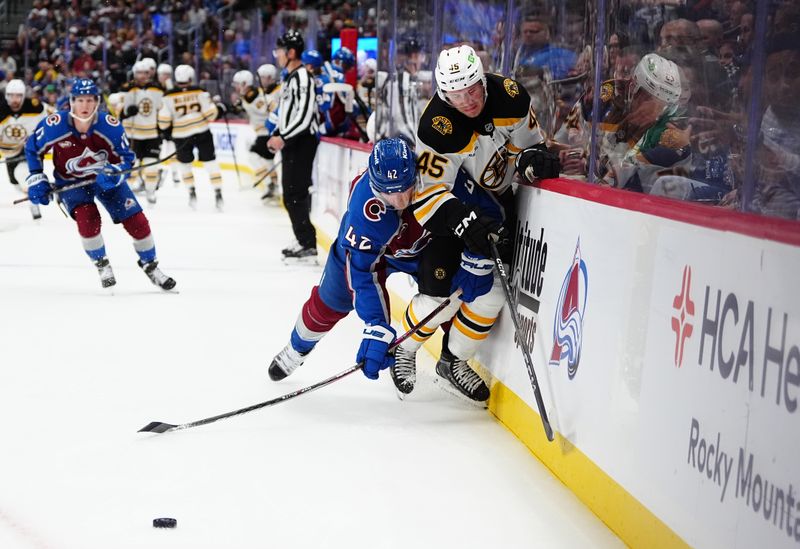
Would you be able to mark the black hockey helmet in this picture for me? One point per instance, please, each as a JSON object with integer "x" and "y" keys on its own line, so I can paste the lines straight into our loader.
{"x": 292, "y": 39}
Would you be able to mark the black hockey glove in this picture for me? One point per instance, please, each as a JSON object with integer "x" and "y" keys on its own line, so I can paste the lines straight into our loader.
{"x": 222, "y": 110}
{"x": 476, "y": 230}
{"x": 132, "y": 110}
{"x": 537, "y": 163}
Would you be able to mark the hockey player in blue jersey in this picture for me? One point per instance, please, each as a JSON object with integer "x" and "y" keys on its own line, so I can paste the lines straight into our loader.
{"x": 91, "y": 147}
{"x": 378, "y": 236}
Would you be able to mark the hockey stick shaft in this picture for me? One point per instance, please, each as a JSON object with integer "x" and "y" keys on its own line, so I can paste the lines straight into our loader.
{"x": 59, "y": 190}
{"x": 160, "y": 427}
{"x": 526, "y": 355}
{"x": 266, "y": 175}
{"x": 233, "y": 149}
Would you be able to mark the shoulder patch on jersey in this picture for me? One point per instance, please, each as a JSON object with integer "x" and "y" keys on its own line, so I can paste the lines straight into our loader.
{"x": 442, "y": 125}
{"x": 511, "y": 87}
{"x": 260, "y": 104}
{"x": 53, "y": 119}
{"x": 374, "y": 209}
{"x": 35, "y": 102}
{"x": 112, "y": 121}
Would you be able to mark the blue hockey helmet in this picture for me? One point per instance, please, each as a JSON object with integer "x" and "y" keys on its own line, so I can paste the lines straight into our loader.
{"x": 392, "y": 166}
{"x": 84, "y": 86}
{"x": 312, "y": 57}
{"x": 344, "y": 57}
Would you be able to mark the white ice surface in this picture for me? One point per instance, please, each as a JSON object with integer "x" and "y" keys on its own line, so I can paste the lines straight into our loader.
{"x": 347, "y": 466}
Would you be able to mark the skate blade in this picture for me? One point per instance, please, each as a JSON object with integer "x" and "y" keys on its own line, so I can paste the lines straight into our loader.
{"x": 295, "y": 261}
{"x": 447, "y": 387}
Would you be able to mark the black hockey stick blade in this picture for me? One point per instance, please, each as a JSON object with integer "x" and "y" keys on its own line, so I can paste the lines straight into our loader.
{"x": 157, "y": 427}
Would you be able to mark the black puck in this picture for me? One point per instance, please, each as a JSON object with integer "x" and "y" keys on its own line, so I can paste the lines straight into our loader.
{"x": 165, "y": 523}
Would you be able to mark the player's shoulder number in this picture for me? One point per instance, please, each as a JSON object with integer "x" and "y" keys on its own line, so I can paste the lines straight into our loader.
{"x": 431, "y": 164}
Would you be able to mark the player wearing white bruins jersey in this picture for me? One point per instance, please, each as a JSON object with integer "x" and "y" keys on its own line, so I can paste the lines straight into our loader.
{"x": 185, "y": 116}
{"x": 18, "y": 119}
{"x": 143, "y": 100}
{"x": 478, "y": 124}
{"x": 256, "y": 106}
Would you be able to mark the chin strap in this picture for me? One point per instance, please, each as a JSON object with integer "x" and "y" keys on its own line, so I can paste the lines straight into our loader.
{"x": 87, "y": 119}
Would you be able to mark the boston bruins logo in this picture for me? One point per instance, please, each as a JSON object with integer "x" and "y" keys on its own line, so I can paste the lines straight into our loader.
{"x": 442, "y": 125}
{"x": 15, "y": 133}
{"x": 511, "y": 87}
{"x": 145, "y": 107}
{"x": 495, "y": 171}
{"x": 439, "y": 273}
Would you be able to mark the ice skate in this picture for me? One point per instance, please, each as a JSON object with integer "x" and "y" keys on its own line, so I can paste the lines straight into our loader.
{"x": 461, "y": 377}
{"x": 285, "y": 362}
{"x": 36, "y": 212}
{"x": 218, "y": 202}
{"x": 106, "y": 274}
{"x": 300, "y": 255}
{"x": 156, "y": 276}
{"x": 192, "y": 198}
{"x": 404, "y": 371}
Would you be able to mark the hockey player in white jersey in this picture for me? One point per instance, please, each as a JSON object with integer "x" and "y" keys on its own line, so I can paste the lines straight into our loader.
{"x": 268, "y": 77}
{"x": 142, "y": 102}
{"x": 478, "y": 123}
{"x": 185, "y": 116}
{"x": 18, "y": 119}
{"x": 164, "y": 76}
{"x": 254, "y": 103}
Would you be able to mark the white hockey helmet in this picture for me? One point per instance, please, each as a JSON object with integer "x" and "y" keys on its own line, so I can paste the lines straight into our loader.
{"x": 243, "y": 78}
{"x": 15, "y": 87}
{"x": 164, "y": 68}
{"x": 116, "y": 99}
{"x": 184, "y": 75}
{"x": 140, "y": 66}
{"x": 268, "y": 71}
{"x": 457, "y": 69}
{"x": 149, "y": 64}
{"x": 659, "y": 77}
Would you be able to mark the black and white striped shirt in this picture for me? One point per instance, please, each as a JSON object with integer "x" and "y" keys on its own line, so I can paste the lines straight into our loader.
{"x": 298, "y": 106}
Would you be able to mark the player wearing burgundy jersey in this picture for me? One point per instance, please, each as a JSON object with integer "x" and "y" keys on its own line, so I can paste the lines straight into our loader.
{"x": 91, "y": 149}
{"x": 379, "y": 235}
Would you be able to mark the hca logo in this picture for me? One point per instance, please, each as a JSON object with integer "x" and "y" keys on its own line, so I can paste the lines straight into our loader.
{"x": 684, "y": 312}
{"x": 568, "y": 322}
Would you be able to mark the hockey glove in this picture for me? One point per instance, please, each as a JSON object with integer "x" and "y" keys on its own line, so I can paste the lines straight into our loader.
{"x": 474, "y": 276}
{"x": 374, "y": 350}
{"x": 110, "y": 177}
{"x": 132, "y": 110}
{"x": 222, "y": 110}
{"x": 475, "y": 230}
{"x": 537, "y": 163}
{"x": 38, "y": 188}
{"x": 165, "y": 135}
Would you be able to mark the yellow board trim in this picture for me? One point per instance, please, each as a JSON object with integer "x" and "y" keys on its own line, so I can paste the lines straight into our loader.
{"x": 624, "y": 515}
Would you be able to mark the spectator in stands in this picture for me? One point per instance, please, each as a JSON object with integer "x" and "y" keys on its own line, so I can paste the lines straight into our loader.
{"x": 537, "y": 51}
{"x": 7, "y": 64}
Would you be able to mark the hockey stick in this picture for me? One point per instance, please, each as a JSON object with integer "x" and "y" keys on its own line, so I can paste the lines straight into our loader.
{"x": 266, "y": 175}
{"x": 159, "y": 427}
{"x": 59, "y": 190}
{"x": 526, "y": 355}
{"x": 156, "y": 163}
{"x": 233, "y": 149}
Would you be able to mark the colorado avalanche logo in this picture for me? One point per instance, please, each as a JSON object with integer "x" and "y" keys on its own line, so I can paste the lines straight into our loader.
{"x": 568, "y": 322}
{"x": 374, "y": 209}
{"x": 89, "y": 162}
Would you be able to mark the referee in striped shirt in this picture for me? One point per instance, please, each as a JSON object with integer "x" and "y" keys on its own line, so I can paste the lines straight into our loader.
{"x": 296, "y": 138}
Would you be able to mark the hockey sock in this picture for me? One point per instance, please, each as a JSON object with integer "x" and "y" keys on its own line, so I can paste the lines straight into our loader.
{"x": 473, "y": 321}
{"x": 214, "y": 173}
{"x": 315, "y": 320}
{"x": 151, "y": 175}
{"x": 88, "y": 219}
{"x": 186, "y": 174}
{"x": 139, "y": 228}
{"x": 419, "y": 308}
